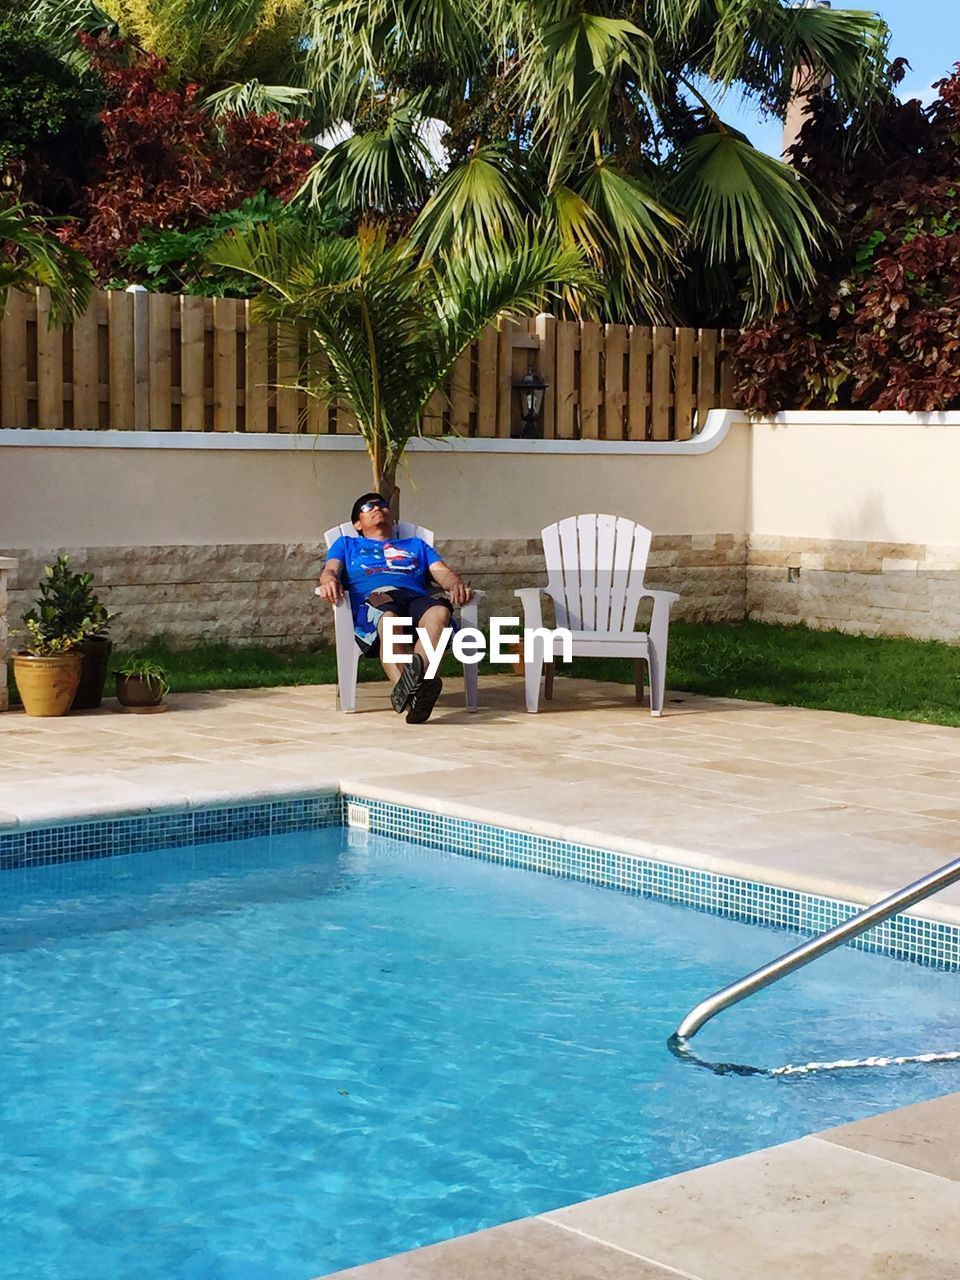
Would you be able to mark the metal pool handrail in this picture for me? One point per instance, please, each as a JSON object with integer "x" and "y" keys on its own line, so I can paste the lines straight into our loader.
{"x": 807, "y": 951}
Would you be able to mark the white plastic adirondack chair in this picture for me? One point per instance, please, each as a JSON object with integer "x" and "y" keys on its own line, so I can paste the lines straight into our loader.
{"x": 595, "y": 568}
{"x": 348, "y": 653}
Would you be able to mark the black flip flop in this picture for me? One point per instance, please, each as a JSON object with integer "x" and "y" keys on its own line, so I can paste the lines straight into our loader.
{"x": 411, "y": 678}
{"x": 424, "y": 700}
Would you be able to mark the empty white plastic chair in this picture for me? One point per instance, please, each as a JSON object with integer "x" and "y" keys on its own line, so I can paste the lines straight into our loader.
{"x": 348, "y": 652}
{"x": 595, "y": 568}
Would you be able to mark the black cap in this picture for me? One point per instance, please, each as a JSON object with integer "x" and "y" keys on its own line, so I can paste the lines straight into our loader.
{"x": 365, "y": 497}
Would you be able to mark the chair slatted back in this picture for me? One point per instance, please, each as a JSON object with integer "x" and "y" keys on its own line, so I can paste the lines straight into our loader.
{"x": 404, "y": 529}
{"x": 595, "y": 568}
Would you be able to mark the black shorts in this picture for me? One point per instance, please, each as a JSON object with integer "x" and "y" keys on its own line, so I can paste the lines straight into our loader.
{"x": 402, "y": 601}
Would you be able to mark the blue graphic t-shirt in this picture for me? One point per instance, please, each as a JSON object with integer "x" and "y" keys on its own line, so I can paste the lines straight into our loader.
{"x": 370, "y": 565}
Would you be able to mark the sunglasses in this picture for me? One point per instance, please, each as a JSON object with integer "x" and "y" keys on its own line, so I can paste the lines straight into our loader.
{"x": 373, "y": 506}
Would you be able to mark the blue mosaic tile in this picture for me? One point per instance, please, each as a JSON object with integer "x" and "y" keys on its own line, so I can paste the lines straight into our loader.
{"x": 137, "y": 833}
{"x": 924, "y": 942}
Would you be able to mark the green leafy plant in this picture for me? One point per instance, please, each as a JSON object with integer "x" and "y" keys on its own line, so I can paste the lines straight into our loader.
{"x": 172, "y": 260}
{"x": 42, "y": 644}
{"x": 148, "y": 671}
{"x": 67, "y": 609}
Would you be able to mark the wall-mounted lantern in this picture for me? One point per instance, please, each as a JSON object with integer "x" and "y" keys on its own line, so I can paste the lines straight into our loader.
{"x": 531, "y": 388}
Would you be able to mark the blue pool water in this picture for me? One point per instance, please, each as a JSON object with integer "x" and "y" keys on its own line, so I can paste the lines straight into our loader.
{"x": 270, "y": 1059}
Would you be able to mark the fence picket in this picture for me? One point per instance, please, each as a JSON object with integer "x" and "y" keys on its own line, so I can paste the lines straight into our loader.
{"x": 546, "y": 331}
{"x": 707, "y": 393}
{"x": 224, "y": 364}
{"x": 193, "y": 400}
{"x": 49, "y": 366}
{"x": 159, "y": 346}
{"x": 568, "y": 332}
{"x": 288, "y": 366}
{"x": 508, "y": 328}
{"x": 487, "y": 383}
{"x": 589, "y": 381}
{"x": 86, "y": 369}
{"x": 614, "y": 350}
{"x": 13, "y": 360}
{"x": 461, "y": 393}
{"x": 255, "y": 374}
{"x": 638, "y": 396}
{"x": 120, "y": 357}
{"x": 661, "y": 402}
{"x": 683, "y": 384}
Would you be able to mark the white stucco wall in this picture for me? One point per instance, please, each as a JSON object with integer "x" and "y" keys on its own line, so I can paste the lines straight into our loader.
{"x": 864, "y": 477}
{"x": 121, "y": 489}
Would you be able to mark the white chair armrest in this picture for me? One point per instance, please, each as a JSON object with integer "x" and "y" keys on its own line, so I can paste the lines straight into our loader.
{"x": 668, "y": 596}
{"x": 469, "y": 612}
{"x": 530, "y": 599}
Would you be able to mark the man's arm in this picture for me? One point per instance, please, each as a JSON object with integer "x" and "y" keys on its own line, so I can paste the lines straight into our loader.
{"x": 458, "y": 591}
{"x": 328, "y": 585}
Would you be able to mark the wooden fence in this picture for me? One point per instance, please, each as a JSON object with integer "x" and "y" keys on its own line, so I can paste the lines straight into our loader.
{"x": 139, "y": 361}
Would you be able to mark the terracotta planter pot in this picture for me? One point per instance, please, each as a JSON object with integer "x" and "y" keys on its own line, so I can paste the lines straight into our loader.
{"x": 47, "y": 685}
{"x": 138, "y": 692}
{"x": 93, "y": 672}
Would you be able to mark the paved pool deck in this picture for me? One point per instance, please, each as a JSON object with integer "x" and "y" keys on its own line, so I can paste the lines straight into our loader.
{"x": 840, "y": 805}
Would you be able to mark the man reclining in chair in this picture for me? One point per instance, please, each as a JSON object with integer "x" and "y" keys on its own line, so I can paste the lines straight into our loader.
{"x": 391, "y": 577}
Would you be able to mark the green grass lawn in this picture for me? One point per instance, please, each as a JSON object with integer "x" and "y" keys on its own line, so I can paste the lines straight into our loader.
{"x": 792, "y": 666}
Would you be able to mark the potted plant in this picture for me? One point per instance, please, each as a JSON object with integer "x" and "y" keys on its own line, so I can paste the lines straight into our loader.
{"x": 68, "y": 606}
{"x": 47, "y": 672}
{"x": 142, "y": 685}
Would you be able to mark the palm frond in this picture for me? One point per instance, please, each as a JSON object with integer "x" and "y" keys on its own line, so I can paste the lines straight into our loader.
{"x": 253, "y": 98}
{"x": 479, "y": 202}
{"x": 354, "y": 47}
{"x": 573, "y": 64}
{"x": 30, "y": 256}
{"x": 848, "y": 45}
{"x": 641, "y": 235}
{"x": 384, "y": 169}
{"x": 743, "y": 204}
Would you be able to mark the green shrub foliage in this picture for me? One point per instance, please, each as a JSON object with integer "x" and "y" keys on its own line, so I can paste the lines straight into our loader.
{"x": 47, "y": 118}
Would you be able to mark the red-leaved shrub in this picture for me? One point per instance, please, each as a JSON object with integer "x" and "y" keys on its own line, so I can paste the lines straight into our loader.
{"x": 882, "y": 327}
{"x": 165, "y": 162}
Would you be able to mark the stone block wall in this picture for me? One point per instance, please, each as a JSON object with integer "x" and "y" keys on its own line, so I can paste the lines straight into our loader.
{"x": 263, "y": 594}
{"x": 865, "y": 588}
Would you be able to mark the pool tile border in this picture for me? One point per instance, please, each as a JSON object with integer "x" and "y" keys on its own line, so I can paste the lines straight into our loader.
{"x": 925, "y": 942}
{"x": 27, "y": 846}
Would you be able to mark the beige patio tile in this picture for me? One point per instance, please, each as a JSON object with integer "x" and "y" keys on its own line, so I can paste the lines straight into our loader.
{"x": 806, "y": 1209}
{"x": 528, "y": 1250}
{"x": 925, "y": 1136}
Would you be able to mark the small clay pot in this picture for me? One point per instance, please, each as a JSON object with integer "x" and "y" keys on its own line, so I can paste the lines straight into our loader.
{"x": 47, "y": 685}
{"x": 137, "y": 693}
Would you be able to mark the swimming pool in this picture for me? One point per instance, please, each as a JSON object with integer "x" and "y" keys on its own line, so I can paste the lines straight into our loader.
{"x": 277, "y": 1056}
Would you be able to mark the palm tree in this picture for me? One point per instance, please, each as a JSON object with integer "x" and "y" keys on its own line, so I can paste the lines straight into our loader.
{"x": 601, "y": 120}
{"x": 30, "y": 256}
{"x": 387, "y": 325}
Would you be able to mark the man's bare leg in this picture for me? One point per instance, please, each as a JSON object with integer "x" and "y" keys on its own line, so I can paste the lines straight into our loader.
{"x": 393, "y": 669}
{"x": 433, "y": 623}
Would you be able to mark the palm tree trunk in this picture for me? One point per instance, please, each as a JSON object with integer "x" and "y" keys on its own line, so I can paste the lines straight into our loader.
{"x": 385, "y": 483}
